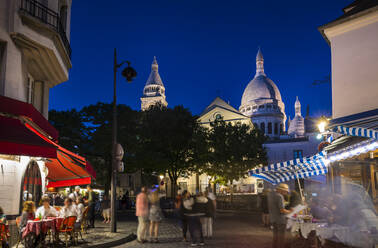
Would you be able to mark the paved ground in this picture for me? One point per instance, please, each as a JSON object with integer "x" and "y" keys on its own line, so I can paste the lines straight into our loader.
{"x": 231, "y": 230}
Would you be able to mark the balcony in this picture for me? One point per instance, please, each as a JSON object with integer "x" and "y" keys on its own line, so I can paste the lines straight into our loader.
{"x": 47, "y": 16}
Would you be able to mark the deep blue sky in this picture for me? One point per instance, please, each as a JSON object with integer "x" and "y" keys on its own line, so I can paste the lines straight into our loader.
{"x": 204, "y": 48}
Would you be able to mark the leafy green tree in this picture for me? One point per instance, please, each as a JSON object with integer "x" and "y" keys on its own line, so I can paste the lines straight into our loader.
{"x": 168, "y": 142}
{"x": 234, "y": 149}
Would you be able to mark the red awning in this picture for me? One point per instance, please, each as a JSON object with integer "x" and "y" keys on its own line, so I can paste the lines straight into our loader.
{"x": 23, "y": 109}
{"x": 67, "y": 170}
{"x": 24, "y": 131}
{"x": 18, "y": 139}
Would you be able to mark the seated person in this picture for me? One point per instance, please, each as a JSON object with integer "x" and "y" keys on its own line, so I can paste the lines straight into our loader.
{"x": 27, "y": 214}
{"x": 3, "y": 217}
{"x": 71, "y": 209}
{"x": 46, "y": 210}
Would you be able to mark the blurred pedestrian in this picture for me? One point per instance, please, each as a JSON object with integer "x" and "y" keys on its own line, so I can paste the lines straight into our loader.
{"x": 264, "y": 207}
{"x": 155, "y": 216}
{"x": 105, "y": 205}
{"x": 91, "y": 201}
{"x": 277, "y": 214}
{"x": 142, "y": 214}
{"x": 192, "y": 211}
{"x": 212, "y": 208}
{"x": 184, "y": 221}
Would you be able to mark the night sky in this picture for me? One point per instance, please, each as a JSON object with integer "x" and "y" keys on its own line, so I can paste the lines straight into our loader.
{"x": 205, "y": 48}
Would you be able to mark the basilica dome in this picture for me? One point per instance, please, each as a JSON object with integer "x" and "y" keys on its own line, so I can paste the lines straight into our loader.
{"x": 262, "y": 102}
{"x": 260, "y": 87}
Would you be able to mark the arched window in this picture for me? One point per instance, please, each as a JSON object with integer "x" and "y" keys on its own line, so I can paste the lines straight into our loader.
{"x": 63, "y": 17}
{"x": 31, "y": 185}
{"x": 275, "y": 128}
{"x": 269, "y": 128}
{"x": 262, "y": 127}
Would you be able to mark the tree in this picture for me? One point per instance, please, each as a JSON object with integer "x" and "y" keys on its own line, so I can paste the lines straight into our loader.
{"x": 99, "y": 119}
{"x": 168, "y": 142}
{"x": 234, "y": 149}
{"x": 73, "y": 134}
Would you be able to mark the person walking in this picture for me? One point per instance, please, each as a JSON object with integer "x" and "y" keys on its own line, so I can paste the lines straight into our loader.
{"x": 210, "y": 215}
{"x": 105, "y": 205}
{"x": 264, "y": 207}
{"x": 142, "y": 214}
{"x": 91, "y": 201}
{"x": 184, "y": 221}
{"x": 192, "y": 211}
{"x": 155, "y": 216}
{"x": 277, "y": 214}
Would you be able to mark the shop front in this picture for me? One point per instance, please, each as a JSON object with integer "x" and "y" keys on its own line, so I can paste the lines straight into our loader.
{"x": 31, "y": 159}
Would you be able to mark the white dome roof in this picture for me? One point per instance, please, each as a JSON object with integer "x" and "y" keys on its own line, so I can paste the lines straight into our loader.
{"x": 260, "y": 87}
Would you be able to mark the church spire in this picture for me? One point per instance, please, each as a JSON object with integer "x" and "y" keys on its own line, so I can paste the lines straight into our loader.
{"x": 154, "y": 65}
{"x": 259, "y": 64}
{"x": 297, "y": 107}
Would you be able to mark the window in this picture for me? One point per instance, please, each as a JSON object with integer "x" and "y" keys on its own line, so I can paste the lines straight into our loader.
{"x": 274, "y": 107}
{"x": 261, "y": 106}
{"x": 63, "y": 17}
{"x": 254, "y": 107}
{"x": 269, "y": 128}
{"x": 249, "y": 108}
{"x": 2, "y": 65}
{"x": 268, "y": 106}
{"x": 35, "y": 93}
{"x": 275, "y": 128}
{"x": 297, "y": 154}
{"x": 281, "y": 128}
{"x": 262, "y": 127}
{"x": 131, "y": 181}
{"x": 256, "y": 125}
{"x": 218, "y": 117}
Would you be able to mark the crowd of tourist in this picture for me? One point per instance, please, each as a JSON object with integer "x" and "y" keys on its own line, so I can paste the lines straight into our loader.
{"x": 195, "y": 212}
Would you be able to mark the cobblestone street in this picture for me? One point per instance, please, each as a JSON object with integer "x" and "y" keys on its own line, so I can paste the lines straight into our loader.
{"x": 240, "y": 230}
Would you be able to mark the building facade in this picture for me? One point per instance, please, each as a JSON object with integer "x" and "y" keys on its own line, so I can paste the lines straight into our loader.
{"x": 154, "y": 90}
{"x": 35, "y": 55}
{"x": 354, "y": 49}
{"x": 353, "y": 39}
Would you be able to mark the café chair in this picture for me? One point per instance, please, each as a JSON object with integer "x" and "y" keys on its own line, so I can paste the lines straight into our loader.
{"x": 3, "y": 234}
{"x": 84, "y": 221}
{"x": 68, "y": 228}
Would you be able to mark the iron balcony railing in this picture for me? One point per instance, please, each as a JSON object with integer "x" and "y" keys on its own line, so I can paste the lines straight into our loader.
{"x": 46, "y": 16}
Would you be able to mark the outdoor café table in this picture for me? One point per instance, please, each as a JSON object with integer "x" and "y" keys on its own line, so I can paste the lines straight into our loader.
{"x": 37, "y": 227}
{"x": 342, "y": 234}
{"x": 57, "y": 223}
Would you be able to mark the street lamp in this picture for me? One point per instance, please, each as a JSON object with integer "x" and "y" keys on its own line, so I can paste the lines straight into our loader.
{"x": 129, "y": 73}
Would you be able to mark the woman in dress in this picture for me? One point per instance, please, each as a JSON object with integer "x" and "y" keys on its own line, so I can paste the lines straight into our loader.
{"x": 27, "y": 214}
{"x": 155, "y": 216}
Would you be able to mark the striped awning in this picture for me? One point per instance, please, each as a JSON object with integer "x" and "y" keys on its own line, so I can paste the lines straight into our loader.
{"x": 356, "y": 131}
{"x": 297, "y": 168}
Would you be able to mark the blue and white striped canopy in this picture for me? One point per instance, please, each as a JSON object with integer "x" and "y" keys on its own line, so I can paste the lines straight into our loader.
{"x": 293, "y": 169}
{"x": 356, "y": 131}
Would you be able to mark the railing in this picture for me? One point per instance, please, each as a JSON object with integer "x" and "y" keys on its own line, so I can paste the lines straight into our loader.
{"x": 46, "y": 16}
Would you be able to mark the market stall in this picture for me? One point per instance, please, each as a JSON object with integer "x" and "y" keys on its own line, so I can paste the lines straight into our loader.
{"x": 347, "y": 216}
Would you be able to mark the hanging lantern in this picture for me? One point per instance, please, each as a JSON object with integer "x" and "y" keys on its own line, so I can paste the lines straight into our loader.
{"x": 129, "y": 73}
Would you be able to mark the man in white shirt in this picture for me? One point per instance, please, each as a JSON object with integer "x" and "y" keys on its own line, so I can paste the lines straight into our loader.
{"x": 70, "y": 209}
{"x": 46, "y": 210}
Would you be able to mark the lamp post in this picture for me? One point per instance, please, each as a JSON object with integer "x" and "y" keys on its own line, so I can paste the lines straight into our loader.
{"x": 129, "y": 73}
